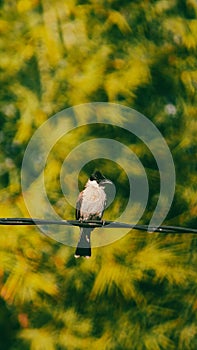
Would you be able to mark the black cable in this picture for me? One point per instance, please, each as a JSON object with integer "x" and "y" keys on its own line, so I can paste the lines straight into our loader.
{"x": 96, "y": 223}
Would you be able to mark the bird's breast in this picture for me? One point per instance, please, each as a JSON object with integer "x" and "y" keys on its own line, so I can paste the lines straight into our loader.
{"x": 93, "y": 201}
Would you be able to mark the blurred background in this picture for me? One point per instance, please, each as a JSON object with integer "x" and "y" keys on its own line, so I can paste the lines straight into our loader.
{"x": 138, "y": 293}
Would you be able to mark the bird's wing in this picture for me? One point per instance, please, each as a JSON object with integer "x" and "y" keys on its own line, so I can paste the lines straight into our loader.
{"x": 78, "y": 206}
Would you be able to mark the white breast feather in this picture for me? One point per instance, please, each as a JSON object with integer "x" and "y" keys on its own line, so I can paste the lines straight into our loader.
{"x": 94, "y": 199}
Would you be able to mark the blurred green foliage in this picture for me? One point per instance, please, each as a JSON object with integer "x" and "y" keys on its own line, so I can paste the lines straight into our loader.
{"x": 140, "y": 292}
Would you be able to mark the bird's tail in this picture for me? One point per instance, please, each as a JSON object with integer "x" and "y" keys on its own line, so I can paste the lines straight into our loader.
{"x": 84, "y": 244}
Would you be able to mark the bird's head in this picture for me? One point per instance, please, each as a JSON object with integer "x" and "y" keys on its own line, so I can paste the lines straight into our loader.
{"x": 99, "y": 178}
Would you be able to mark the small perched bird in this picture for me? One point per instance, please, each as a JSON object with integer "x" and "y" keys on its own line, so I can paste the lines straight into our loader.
{"x": 90, "y": 206}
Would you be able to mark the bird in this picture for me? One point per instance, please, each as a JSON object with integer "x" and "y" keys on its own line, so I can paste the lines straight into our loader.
{"x": 90, "y": 205}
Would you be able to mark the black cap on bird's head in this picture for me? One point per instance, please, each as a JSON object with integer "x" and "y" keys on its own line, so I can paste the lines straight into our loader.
{"x": 99, "y": 177}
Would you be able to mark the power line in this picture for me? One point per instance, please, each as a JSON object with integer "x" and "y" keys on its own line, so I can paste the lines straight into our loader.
{"x": 96, "y": 224}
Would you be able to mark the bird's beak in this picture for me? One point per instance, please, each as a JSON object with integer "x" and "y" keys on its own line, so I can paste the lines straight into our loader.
{"x": 106, "y": 181}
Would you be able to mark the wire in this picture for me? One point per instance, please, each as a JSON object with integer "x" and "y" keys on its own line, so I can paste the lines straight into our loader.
{"x": 96, "y": 223}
